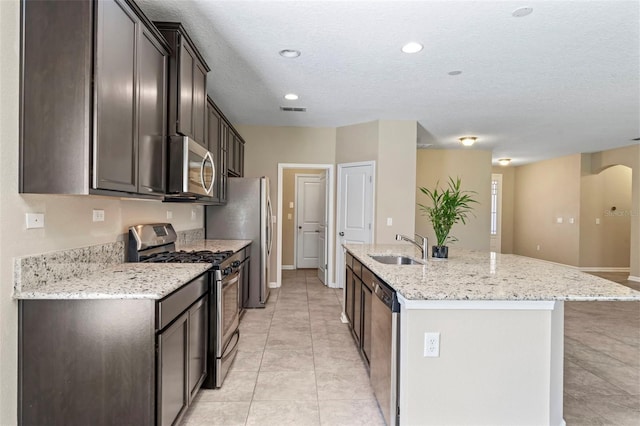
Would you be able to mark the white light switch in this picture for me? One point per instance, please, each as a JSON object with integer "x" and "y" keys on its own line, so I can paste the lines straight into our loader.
{"x": 273, "y": 219}
{"x": 289, "y": 217}
{"x": 559, "y": 220}
{"x": 35, "y": 220}
{"x": 572, "y": 220}
{"x": 389, "y": 221}
{"x": 597, "y": 221}
{"x": 291, "y": 204}
{"x": 98, "y": 215}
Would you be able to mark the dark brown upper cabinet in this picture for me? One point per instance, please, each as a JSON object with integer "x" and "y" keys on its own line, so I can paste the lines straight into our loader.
{"x": 187, "y": 84}
{"x": 93, "y": 99}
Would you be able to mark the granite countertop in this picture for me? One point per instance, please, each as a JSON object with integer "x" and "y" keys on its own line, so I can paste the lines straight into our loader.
{"x": 123, "y": 281}
{"x": 483, "y": 275}
{"x": 83, "y": 274}
{"x": 215, "y": 245}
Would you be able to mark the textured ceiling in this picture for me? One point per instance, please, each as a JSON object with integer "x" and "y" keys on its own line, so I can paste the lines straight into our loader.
{"x": 562, "y": 80}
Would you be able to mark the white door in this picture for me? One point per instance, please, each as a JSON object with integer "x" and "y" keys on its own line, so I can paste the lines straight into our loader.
{"x": 355, "y": 209}
{"x": 309, "y": 216}
{"x": 322, "y": 237}
{"x": 495, "y": 238}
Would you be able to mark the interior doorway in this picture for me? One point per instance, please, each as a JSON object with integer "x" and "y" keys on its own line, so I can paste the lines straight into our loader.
{"x": 287, "y": 219}
{"x": 309, "y": 217}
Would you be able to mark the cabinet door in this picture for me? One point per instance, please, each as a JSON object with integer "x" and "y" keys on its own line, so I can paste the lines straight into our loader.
{"x": 366, "y": 320}
{"x": 172, "y": 371}
{"x": 224, "y": 161}
{"x": 232, "y": 153}
{"x": 185, "y": 91}
{"x": 115, "y": 159}
{"x": 357, "y": 310}
{"x": 199, "y": 110}
{"x": 348, "y": 296}
{"x": 241, "y": 159}
{"x": 152, "y": 113}
{"x": 198, "y": 330}
{"x": 213, "y": 143}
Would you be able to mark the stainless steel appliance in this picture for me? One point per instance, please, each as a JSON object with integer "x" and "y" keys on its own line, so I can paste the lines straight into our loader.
{"x": 247, "y": 216}
{"x": 155, "y": 243}
{"x": 384, "y": 364}
{"x": 191, "y": 170}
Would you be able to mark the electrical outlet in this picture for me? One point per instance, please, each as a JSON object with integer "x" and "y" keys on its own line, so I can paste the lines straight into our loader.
{"x": 98, "y": 215}
{"x": 389, "y": 221}
{"x": 35, "y": 220}
{"x": 289, "y": 217}
{"x": 432, "y": 344}
{"x": 169, "y": 214}
{"x": 193, "y": 215}
{"x": 597, "y": 221}
{"x": 538, "y": 247}
{"x": 290, "y": 204}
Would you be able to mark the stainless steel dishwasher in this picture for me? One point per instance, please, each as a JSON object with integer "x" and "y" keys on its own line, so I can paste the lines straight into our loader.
{"x": 385, "y": 360}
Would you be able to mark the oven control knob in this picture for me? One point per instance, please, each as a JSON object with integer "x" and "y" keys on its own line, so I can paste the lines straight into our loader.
{"x": 235, "y": 263}
{"x": 227, "y": 271}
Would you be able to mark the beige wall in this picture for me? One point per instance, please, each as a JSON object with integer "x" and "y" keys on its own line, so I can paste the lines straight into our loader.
{"x": 508, "y": 184}
{"x": 628, "y": 156}
{"x": 545, "y": 191}
{"x": 606, "y": 244}
{"x": 268, "y": 146}
{"x": 392, "y": 145}
{"x": 289, "y": 225}
{"x": 474, "y": 169}
{"x": 395, "y": 180}
{"x": 68, "y": 219}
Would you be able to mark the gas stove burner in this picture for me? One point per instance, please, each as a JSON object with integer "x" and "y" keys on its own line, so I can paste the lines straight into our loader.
{"x": 201, "y": 256}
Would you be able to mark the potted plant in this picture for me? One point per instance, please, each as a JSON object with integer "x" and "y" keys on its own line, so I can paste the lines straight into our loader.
{"x": 449, "y": 206}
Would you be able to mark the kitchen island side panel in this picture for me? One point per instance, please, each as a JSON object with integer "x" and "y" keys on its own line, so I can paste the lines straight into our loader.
{"x": 496, "y": 366}
{"x": 86, "y": 362}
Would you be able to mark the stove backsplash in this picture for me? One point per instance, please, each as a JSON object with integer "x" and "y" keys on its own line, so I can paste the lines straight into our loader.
{"x": 190, "y": 236}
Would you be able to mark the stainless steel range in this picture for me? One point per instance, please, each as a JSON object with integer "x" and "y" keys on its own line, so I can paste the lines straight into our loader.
{"x": 155, "y": 243}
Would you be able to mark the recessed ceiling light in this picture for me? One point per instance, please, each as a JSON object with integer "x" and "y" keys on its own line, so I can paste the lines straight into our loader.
{"x": 412, "y": 47}
{"x": 291, "y": 97}
{"x": 504, "y": 161}
{"x": 523, "y": 11}
{"x": 289, "y": 53}
{"x": 454, "y": 72}
{"x": 467, "y": 140}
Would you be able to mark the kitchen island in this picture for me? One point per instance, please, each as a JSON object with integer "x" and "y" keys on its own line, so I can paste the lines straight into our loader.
{"x": 500, "y": 320}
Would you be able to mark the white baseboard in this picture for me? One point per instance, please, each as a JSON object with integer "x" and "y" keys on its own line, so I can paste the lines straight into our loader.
{"x": 273, "y": 285}
{"x": 604, "y": 269}
{"x": 633, "y": 278}
{"x": 343, "y": 318}
{"x": 288, "y": 267}
{"x": 333, "y": 285}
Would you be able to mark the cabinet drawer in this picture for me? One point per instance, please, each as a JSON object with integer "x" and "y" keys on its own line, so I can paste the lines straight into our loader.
{"x": 177, "y": 302}
{"x": 349, "y": 260}
{"x": 367, "y": 278}
{"x": 357, "y": 267}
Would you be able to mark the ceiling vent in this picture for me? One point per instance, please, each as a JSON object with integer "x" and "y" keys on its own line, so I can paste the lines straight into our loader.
{"x": 424, "y": 145}
{"x": 293, "y": 109}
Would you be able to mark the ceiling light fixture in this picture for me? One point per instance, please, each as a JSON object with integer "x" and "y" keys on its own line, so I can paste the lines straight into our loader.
{"x": 289, "y": 53}
{"x": 523, "y": 11}
{"x": 504, "y": 161}
{"x": 291, "y": 97}
{"x": 412, "y": 47}
{"x": 468, "y": 140}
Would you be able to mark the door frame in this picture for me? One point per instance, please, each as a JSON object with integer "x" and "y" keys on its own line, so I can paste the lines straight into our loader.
{"x": 330, "y": 196}
{"x": 295, "y": 213}
{"x": 497, "y": 177}
{"x": 339, "y": 277}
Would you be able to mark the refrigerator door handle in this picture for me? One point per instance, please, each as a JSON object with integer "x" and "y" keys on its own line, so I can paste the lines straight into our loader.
{"x": 269, "y": 227}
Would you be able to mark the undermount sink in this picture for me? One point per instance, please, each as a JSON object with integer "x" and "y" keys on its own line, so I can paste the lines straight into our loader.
{"x": 396, "y": 260}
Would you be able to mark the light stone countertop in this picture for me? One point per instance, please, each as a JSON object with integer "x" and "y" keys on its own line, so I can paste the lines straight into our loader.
{"x": 84, "y": 277}
{"x": 480, "y": 275}
{"x": 123, "y": 281}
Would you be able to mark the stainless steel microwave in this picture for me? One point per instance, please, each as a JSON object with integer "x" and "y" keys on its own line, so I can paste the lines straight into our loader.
{"x": 192, "y": 169}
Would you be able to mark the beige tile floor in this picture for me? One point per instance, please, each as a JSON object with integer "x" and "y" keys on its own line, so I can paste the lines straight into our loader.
{"x": 297, "y": 364}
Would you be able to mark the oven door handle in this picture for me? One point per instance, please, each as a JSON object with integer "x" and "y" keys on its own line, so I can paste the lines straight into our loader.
{"x": 226, "y": 282}
{"x": 228, "y": 351}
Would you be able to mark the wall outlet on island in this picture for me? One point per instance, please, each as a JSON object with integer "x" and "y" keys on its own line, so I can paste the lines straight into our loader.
{"x": 193, "y": 215}
{"x": 538, "y": 247}
{"x": 432, "y": 344}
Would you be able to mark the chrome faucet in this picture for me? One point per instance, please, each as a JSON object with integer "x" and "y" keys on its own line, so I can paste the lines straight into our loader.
{"x": 422, "y": 246}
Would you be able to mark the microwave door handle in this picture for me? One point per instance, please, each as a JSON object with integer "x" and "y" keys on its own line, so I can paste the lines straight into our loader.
{"x": 208, "y": 157}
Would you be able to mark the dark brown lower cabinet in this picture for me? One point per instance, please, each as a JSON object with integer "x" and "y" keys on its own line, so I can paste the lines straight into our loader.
{"x": 366, "y": 319}
{"x": 358, "y": 303}
{"x": 112, "y": 361}
{"x": 348, "y": 297}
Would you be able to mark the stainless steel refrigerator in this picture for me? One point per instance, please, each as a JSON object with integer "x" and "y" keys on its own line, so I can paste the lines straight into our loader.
{"x": 247, "y": 216}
